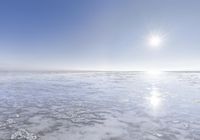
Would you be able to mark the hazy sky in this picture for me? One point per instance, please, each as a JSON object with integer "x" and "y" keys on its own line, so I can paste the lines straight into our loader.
{"x": 99, "y": 34}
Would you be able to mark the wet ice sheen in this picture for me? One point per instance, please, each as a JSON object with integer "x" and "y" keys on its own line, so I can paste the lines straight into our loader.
{"x": 99, "y": 106}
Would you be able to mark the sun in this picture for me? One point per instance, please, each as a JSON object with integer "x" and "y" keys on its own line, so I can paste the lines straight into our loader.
{"x": 155, "y": 40}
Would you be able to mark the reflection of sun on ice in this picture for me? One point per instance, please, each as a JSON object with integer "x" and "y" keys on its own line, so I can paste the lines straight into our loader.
{"x": 155, "y": 98}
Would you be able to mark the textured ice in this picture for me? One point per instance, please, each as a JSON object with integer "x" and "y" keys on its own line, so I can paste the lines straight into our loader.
{"x": 99, "y": 106}
{"x": 23, "y": 134}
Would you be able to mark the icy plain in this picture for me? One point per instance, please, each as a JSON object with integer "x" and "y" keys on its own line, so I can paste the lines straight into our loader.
{"x": 99, "y": 106}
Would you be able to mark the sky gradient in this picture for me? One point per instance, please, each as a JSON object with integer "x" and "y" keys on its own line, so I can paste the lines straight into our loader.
{"x": 99, "y": 34}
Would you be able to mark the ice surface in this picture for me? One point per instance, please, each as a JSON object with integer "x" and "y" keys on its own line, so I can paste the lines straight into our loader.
{"x": 22, "y": 134}
{"x": 99, "y": 106}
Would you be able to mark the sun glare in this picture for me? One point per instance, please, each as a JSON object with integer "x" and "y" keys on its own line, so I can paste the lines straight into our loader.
{"x": 155, "y": 40}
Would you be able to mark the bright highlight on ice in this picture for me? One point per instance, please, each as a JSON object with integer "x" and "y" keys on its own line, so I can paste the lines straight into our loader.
{"x": 155, "y": 98}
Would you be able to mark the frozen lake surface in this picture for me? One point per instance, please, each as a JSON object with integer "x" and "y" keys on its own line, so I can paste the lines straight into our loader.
{"x": 99, "y": 106}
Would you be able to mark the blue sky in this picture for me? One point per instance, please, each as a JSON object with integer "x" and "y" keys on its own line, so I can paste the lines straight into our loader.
{"x": 99, "y": 34}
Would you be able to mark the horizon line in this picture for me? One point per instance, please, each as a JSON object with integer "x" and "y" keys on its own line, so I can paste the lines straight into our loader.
{"x": 90, "y": 70}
